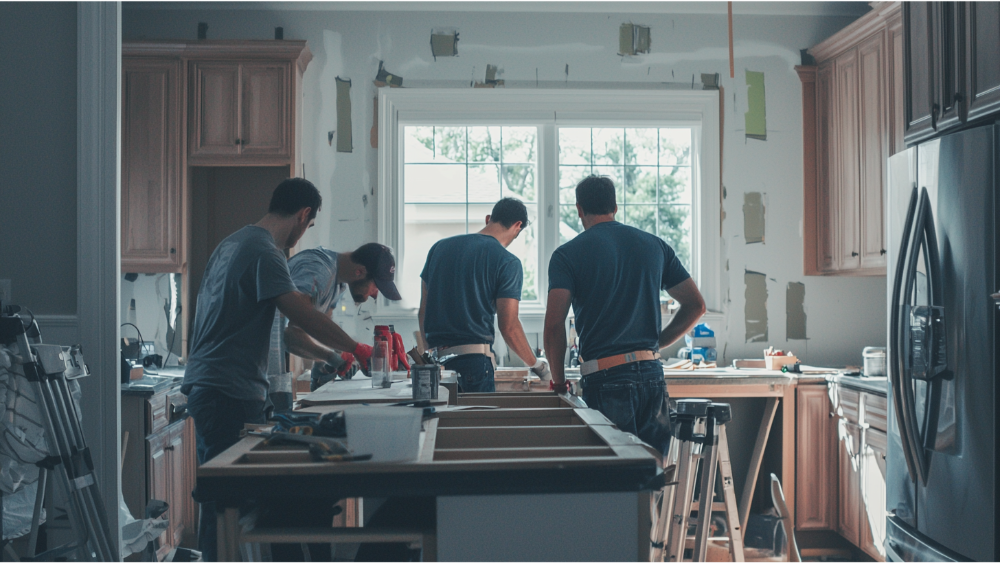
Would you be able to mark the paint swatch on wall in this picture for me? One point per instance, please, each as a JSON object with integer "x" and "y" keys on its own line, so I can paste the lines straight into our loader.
{"x": 753, "y": 217}
{"x": 444, "y": 43}
{"x": 795, "y": 311}
{"x": 345, "y": 142}
{"x": 755, "y": 310}
{"x": 756, "y": 116}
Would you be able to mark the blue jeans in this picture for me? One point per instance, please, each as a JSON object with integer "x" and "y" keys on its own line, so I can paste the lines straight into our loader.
{"x": 475, "y": 373}
{"x": 218, "y": 419}
{"x": 634, "y": 397}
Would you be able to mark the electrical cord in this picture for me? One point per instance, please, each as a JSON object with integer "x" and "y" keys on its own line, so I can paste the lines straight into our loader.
{"x": 141, "y": 341}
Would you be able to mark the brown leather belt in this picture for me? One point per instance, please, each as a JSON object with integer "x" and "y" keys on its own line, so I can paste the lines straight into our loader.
{"x": 591, "y": 366}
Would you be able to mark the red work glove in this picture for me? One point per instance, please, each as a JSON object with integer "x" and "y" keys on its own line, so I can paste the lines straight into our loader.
{"x": 560, "y": 388}
{"x": 348, "y": 362}
{"x": 397, "y": 347}
{"x": 363, "y": 353}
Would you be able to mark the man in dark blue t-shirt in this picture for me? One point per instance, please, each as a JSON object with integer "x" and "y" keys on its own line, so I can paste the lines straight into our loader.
{"x": 612, "y": 275}
{"x": 468, "y": 279}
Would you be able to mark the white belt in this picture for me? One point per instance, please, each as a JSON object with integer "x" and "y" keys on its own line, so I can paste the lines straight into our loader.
{"x": 463, "y": 349}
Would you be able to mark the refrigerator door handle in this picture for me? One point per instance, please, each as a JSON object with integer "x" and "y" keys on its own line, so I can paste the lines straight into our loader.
{"x": 996, "y": 298}
{"x": 896, "y": 365}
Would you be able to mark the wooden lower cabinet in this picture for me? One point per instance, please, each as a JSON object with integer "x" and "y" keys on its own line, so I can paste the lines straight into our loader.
{"x": 815, "y": 459}
{"x": 160, "y": 463}
{"x": 861, "y": 445}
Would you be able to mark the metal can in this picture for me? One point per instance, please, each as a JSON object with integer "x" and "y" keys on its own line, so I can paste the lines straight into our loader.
{"x": 874, "y": 361}
{"x": 426, "y": 380}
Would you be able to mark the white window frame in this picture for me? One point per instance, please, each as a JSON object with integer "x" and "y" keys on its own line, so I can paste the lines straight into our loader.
{"x": 554, "y": 108}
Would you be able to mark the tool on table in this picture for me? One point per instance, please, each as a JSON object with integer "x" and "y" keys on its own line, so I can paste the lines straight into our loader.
{"x": 329, "y": 425}
{"x": 50, "y": 369}
{"x": 320, "y": 448}
{"x": 397, "y": 353}
{"x": 699, "y": 437}
{"x": 699, "y": 345}
{"x": 776, "y": 359}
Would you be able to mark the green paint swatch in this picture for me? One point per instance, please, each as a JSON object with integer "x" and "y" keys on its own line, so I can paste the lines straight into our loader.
{"x": 756, "y": 116}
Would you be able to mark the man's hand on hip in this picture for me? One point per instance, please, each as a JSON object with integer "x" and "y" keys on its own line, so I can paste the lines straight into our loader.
{"x": 541, "y": 369}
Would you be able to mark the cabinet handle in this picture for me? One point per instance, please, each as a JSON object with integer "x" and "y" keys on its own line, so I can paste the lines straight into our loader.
{"x": 854, "y": 255}
{"x": 168, "y": 448}
{"x": 238, "y": 141}
{"x": 173, "y": 251}
{"x": 882, "y": 252}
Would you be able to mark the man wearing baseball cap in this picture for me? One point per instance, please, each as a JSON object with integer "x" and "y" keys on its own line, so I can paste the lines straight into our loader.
{"x": 325, "y": 276}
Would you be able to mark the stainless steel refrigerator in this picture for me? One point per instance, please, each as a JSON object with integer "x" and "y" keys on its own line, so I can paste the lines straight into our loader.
{"x": 941, "y": 478}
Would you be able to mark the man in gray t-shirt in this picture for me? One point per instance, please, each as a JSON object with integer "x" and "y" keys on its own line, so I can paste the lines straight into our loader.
{"x": 245, "y": 281}
{"x": 325, "y": 275}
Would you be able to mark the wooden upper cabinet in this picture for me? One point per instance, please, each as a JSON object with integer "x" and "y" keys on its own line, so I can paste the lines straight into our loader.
{"x": 815, "y": 459}
{"x": 242, "y": 112}
{"x": 897, "y": 87}
{"x": 152, "y": 225}
{"x": 846, "y": 146}
{"x": 982, "y": 35}
{"x": 919, "y": 71}
{"x": 874, "y": 149}
{"x": 216, "y": 112}
{"x": 266, "y": 112}
{"x": 858, "y": 125}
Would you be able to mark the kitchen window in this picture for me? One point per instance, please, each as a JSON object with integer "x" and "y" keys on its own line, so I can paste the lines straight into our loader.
{"x": 446, "y": 156}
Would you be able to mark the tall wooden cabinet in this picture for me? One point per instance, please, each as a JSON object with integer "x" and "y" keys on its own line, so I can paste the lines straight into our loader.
{"x": 198, "y": 103}
{"x": 152, "y": 169}
{"x": 850, "y": 118}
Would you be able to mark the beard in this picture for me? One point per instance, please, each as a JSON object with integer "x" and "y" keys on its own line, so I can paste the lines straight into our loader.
{"x": 359, "y": 298}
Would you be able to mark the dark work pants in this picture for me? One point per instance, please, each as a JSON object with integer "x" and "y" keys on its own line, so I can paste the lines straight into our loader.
{"x": 634, "y": 397}
{"x": 475, "y": 373}
{"x": 218, "y": 420}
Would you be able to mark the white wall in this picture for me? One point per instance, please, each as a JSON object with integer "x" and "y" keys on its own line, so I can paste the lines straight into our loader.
{"x": 844, "y": 314}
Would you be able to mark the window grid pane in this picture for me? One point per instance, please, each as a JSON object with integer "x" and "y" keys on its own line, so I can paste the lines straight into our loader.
{"x": 467, "y": 168}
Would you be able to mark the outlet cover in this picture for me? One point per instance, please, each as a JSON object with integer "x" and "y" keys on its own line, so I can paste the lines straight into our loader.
{"x": 5, "y": 291}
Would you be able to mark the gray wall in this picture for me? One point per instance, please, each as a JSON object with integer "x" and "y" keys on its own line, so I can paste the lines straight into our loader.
{"x": 844, "y": 314}
{"x": 38, "y": 158}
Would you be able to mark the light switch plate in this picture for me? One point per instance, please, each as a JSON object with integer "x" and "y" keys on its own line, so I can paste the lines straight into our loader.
{"x": 5, "y": 291}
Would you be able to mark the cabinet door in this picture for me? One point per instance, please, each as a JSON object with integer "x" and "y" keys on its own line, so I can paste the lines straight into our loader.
{"x": 178, "y": 489}
{"x": 948, "y": 48}
{"x": 983, "y": 51}
{"x": 919, "y": 70}
{"x": 216, "y": 109}
{"x": 873, "y": 494}
{"x": 897, "y": 86}
{"x": 158, "y": 473}
{"x": 151, "y": 175}
{"x": 266, "y": 109}
{"x": 849, "y": 480}
{"x": 873, "y": 150}
{"x": 815, "y": 460}
{"x": 824, "y": 169}
{"x": 844, "y": 191}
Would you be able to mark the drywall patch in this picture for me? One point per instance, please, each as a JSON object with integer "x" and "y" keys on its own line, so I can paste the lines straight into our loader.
{"x": 491, "y": 80}
{"x": 795, "y": 311}
{"x": 756, "y": 115}
{"x": 755, "y": 310}
{"x": 444, "y": 43}
{"x": 753, "y": 217}
{"x": 345, "y": 142}
{"x": 633, "y": 39}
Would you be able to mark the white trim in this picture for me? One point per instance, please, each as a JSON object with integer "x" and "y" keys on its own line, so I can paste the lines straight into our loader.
{"x": 696, "y": 108}
{"x": 740, "y": 7}
{"x": 98, "y": 234}
{"x": 57, "y": 321}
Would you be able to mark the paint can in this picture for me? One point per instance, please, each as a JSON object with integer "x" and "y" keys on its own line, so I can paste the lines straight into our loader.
{"x": 426, "y": 380}
{"x": 874, "y": 361}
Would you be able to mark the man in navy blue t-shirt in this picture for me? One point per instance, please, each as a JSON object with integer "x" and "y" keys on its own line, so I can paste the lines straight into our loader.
{"x": 468, "y": 279}
{"x": 612, "y": 275}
